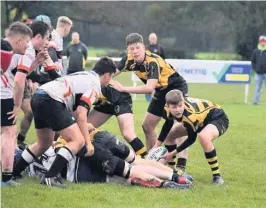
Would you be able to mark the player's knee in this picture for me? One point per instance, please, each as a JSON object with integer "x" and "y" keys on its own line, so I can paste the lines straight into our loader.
{"x": 131, "y": 158}
{"x": 127, "y": 170}
{"x": 29, "y": 115}
{"x": 9, "y": 132}
{"x": 147, "y": 128}
{"x": 204, "y": 138}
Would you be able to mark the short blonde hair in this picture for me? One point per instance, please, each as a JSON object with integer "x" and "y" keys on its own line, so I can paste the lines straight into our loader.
{"x": 64, "y": 20}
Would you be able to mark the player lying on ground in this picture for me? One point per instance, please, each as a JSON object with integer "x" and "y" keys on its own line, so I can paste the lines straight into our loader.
{"x": 199, "y": 117}
{"x": 112, "y": 157}
{"x": 112, "y": 102}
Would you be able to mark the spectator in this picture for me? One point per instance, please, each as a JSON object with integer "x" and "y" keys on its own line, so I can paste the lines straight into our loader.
{"x": 77, "y": 54}
{"x": 154, "y": 47}
{"x": 259, "y": 66}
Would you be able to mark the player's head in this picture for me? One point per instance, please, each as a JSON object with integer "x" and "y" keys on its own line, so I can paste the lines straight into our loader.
{"x": 64, "y": 24}
{"x": 41, "y": 35}
{"x": 262, "y": 40}
{"x": 45, "y": 19}
{"x": 6, "y": 54}
{"x": 19, "y": 36}
{"x": 75, "y": 38}
{"x": 105, "y": 68}
{"x": 175, "y": 102}
{"x": 153, "y": 39}
{"x": 136, "y": 47}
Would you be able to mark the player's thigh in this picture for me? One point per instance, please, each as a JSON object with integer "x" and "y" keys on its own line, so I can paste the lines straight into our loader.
{"x": 120, "y": 150}
{"x": 177, "y": 131}
{"x": 97, "y": 118}
{"x": 150, "y": 121}
{"x": 127, "y": 125}
{"x": 221, "y": 124}
{"x": 73, "y": 133}
{"x": 208, "y": 133}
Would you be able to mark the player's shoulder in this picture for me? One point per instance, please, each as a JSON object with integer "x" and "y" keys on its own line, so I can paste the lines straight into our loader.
{"x": 14, "y": 61}
{"x": 152, "y": 57}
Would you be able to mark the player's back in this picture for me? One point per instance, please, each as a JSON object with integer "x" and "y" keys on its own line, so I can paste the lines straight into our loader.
{"x": 199, "y": 111}
{"x": 65, "y": 89}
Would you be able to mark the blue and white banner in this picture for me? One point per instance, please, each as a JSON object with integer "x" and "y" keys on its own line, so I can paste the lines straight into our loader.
{"x": 205, "y": 71}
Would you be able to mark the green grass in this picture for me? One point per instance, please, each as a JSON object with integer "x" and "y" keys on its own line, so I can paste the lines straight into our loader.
{"x": 241, "y": 154}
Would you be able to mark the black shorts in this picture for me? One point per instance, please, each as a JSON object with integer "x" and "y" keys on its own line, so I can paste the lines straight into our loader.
{"x": 6, "y": 106}
{"x": 222, "y": 123}
{"x": 109, "y": 154}
{"x": 49, "y": 113}
{"x": 157, "y": 103}
{"x": 115, "y": 110}
{"x": 121, "y": 103}
{"x": 85, "y": 172}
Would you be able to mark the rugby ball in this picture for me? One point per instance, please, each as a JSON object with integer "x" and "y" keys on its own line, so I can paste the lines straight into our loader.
{"x": 156, "y": 153}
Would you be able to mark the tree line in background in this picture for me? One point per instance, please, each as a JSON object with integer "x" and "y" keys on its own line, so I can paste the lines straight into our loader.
{"x": 183, "y": 28}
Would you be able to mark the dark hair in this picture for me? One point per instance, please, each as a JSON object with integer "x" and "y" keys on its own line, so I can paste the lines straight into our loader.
{"x": 134, "y": 38}
{"x": 39, "y": 27}
{"x": 19, "y": 28}
{"x": 104, "y": 65}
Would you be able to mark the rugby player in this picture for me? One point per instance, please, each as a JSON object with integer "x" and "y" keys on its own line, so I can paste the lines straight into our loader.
{"x": 52, "y": 106}
{"x": 63, "y": 27}
{"x": 14, "y": 69}
{"x": 158, "y": 76}
{"x": 38, "y": 42}
{"x": 199, "y": 117}
{"x": 112, "y": 102}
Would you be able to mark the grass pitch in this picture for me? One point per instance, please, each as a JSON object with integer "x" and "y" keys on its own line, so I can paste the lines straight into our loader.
{"x": 241, "y": 154}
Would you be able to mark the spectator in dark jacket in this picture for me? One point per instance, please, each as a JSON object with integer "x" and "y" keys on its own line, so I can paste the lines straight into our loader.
{"x": 77, "y": 54}
{"x": 259, "y": 66}
{"x": 154, "y": 47}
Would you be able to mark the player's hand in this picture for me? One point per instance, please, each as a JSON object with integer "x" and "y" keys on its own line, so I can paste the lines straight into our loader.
{"x": 48, "y": 63}
{"x": 116, "y": 85}
{"x": 90, "y": 149}
{"x": 157, "y": 144}
{"x": 14, "y": 114}
{"x": 40, "y": 57}
{"x": 168, "y": 156}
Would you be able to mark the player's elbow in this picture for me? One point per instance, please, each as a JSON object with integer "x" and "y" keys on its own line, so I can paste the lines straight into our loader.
{"x": 20, "y": 78}
{"x": 149, "y": 89}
